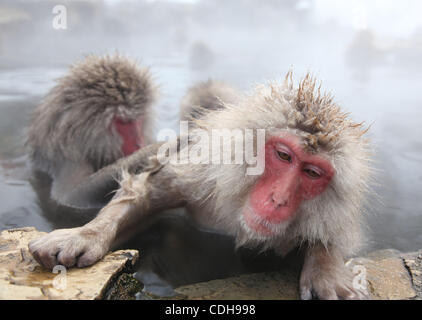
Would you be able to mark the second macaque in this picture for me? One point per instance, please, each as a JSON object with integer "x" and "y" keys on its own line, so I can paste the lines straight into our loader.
{"x": 99, "y": 112}
{"x": 206, "y": 96}
{"x": 309, "y": 193}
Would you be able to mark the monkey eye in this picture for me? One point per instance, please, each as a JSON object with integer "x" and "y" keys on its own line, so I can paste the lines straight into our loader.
{"x": 284, "y": 156}
{"x": 313, "y": 172}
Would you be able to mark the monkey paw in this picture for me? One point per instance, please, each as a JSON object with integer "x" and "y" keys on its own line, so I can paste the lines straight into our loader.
{"x": 330, "y": 287}
{"x": 334, "y": 285}
{"x": 68, "y": 247}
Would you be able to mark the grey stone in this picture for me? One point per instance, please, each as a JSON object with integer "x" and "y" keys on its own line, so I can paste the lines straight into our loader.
{"x": 390, "y": 274}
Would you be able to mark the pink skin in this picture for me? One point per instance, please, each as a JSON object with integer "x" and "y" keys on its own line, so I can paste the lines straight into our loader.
{"x": 131, "y": 134}
{"x": 285, "y": 183}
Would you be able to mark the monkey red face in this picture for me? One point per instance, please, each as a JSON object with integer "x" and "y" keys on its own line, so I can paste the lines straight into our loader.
{"x": 291, "y": 176}
{"x": 131, "y": 134}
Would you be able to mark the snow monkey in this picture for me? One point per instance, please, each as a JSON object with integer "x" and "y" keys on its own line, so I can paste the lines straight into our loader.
{"x": 99, "y": 112}
{"x": 309, "y": 194}
{"x": 210, "y": 95}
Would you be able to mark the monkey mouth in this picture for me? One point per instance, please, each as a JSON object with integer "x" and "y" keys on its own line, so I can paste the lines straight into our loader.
{"x": 253, "y": 223}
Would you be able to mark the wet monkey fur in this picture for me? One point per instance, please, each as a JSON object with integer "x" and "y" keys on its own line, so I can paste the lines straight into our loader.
{"x": 99, "y": 112}
{"x": 206, "y": 96}
{"x": 310, "y": 193}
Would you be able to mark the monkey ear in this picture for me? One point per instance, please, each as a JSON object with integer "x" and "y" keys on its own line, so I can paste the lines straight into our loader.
{"x": 77, "y": 186}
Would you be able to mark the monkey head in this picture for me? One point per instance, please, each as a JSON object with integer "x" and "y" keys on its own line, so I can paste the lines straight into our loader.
{"x": 316, "y": 172}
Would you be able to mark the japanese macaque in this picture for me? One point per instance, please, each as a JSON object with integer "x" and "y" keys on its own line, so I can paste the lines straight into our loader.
{"x": 209, "y": 95}
{"x": 99, "y": 112}
{"x": 309, "y": 193}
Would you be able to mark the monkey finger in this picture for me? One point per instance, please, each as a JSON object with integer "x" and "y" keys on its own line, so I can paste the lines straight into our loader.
{"x": 305, "y": 293}
{"x": 363, "y": 295}
{"x": 33, "y": 247}
{"x": 305, "y": 287}
{"x": 350, "y": 293}
{"x": 326, "y": 293}
{"x": 36, "y": 256}
{"x": 88, "y": 258}
{"x": 46, "y": 256}
{"x": 345, "y": 293}
{"x": 67, "y": 256}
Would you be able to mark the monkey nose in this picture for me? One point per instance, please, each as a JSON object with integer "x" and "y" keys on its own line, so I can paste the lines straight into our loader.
{"x": 279, "y": 200}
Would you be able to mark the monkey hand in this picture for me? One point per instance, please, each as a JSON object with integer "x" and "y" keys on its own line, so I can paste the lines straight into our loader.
{"x": 327, "y": 278}
{"x": 79, "y": 247}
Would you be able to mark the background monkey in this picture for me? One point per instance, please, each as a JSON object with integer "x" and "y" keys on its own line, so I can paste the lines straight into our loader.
{"x": 99, "y": 112}
{"x": 310, "y": 193}
{"x": 211, "y": 95}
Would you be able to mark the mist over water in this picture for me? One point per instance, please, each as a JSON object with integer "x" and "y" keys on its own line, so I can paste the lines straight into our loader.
{"x": 367, "y": 53}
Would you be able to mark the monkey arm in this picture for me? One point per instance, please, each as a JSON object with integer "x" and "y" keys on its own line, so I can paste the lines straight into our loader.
{"x": 325, "y": 276}
{"x": 83, "y": 189}
{"x": 68, "y": 179}
{"x": 140, "y": 195}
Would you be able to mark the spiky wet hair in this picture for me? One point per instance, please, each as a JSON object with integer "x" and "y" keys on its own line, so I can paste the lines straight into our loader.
{"x": 313, "y": 116}
{"x": 73, "y": 120}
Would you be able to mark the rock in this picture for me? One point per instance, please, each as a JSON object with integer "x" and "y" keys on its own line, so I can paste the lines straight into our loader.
{"x": 124, "y": 288}
{"x": 387, "y": 276}
{"x": 385, "y": 271}
{"x": 413, "y": 263}
{"x": 264, "y": 286}
{"x": 390, "y": 275}
{"x": 21, "y": 277}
